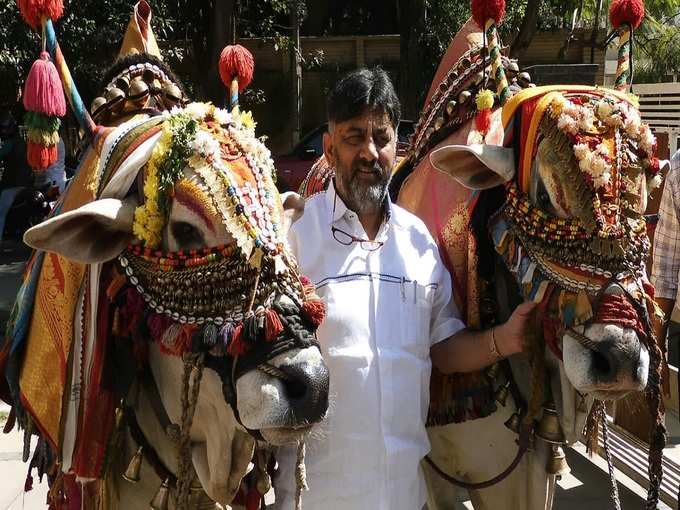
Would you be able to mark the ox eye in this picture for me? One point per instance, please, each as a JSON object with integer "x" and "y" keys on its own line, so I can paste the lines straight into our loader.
{"x": 186, "y": 235}
{"x": 543, "y": 199}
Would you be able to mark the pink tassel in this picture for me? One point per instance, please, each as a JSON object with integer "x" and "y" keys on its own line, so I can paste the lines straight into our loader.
{"x": 272, "y": 325}
{"x": 315, "y": 311}
{"x": 43, "y": 92}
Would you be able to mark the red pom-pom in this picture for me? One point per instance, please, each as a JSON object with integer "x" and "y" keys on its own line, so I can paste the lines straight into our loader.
{"x": 631, "y": 12}
{"x": 315, "y": 311}
{"x": 483, "y": 10}
{"x": 33, "y": 10}
{"x": 40, "y": 157}
{"x": 236, "y": 62}
{"x": 272, "y": 325}
{"x": 483, "y": 120}
{"x": 43, "y": 92}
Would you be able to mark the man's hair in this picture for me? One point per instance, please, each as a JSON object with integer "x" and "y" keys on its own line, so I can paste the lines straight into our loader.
{"x": 362, "y": 90}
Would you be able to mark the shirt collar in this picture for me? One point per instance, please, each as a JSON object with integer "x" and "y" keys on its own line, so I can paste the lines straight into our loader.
{"x": 337, "y": 208}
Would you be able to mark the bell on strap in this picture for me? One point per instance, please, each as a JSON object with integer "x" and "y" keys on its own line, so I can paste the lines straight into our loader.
{"x": 502, "y": 394}
{"x": 134, "y": 467}
{"x": 549, "y": 428}
{"x": 557, "y": 462}
{"x": 513, "y": 423}
{"x": 162, "y": 497}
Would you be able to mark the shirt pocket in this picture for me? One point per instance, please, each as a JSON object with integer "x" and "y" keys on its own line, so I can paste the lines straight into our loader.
{"x": 416, "y": 312}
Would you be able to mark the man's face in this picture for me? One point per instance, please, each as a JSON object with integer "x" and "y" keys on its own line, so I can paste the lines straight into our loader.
{"x": 362, "y": 150}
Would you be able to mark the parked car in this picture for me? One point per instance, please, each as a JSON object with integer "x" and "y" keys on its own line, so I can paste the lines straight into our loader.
{"x": 292, "y": 168}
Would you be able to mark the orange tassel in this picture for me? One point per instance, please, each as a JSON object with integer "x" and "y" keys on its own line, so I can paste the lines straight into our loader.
{"x": 40, "y": 157}
{"x": 272, "y": 325}
{"x": 315, "y": 311}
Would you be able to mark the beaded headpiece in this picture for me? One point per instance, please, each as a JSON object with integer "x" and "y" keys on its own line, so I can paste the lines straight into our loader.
{"x": 608, "y": 155}
{"x": 231, "y": 295}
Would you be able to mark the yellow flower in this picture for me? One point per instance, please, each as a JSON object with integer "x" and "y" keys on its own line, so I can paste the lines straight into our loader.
{"x": 484, "y": 99}
{"x": 247, "y": 120}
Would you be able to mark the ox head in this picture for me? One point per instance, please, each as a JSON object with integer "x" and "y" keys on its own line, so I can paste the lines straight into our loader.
{"x": 191, "y": 227}
{"x": 577, "y": 165}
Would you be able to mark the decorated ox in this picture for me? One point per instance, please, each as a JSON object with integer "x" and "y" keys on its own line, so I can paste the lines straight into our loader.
{"x": 539, "y": 200}
{"x": 162, "y": 327}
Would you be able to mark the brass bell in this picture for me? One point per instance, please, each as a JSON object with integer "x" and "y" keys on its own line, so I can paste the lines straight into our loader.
{"x": 512, "y": 68}
{"x": 549, "y": 428}
{"x": 123, "y": 83}
{"x": 160, "y": 500}
{"x": 439, "y": 122}
{"x": 139, "y": 91}
{"x": 502, "y": 394}
{"x": 114, "y": 98}
{"x": 98, "y": 106}
{"x": 513, "y": 423}
{"x": 171, "y": 93}
{"x": 450, "y": 107}
{"x": 132, "y": 472}
{"x": 557, "y": 463}
{"x": 464, "y": 96}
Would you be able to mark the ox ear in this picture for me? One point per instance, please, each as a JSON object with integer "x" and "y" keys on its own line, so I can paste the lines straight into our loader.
{"x": 475, "y": 166}
{"x": 293, "y": 208}
{"x": 95, "y": 232}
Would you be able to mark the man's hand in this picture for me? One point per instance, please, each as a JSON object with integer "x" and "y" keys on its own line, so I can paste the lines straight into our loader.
{"x": 510, "y": 336}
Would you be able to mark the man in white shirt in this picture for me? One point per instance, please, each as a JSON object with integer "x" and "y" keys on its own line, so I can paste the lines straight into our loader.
{"x": 389, "y": 316}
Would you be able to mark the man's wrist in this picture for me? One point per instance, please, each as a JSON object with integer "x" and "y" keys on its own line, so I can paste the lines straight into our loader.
{"x": 493, "y": 345}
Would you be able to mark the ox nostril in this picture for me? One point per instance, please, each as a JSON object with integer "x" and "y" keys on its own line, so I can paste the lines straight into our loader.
{"x": 294, "y": 387}
{"x": 601, "y": 364}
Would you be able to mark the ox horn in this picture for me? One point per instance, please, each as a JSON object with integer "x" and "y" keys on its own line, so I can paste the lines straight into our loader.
{"x": 502, "y": 394}
{"x": 513, "y": 423}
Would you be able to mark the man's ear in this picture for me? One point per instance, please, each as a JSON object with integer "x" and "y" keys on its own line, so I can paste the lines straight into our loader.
{"x": 329, "y": 149}
{"x": 293, "y": 209}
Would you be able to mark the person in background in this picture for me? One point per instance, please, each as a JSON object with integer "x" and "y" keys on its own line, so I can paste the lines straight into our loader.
{"x": 16, "y": 174}
{"x": 390, "y": 316}
{"x": 55, "y": 175}
{"x": 666, "y": 258}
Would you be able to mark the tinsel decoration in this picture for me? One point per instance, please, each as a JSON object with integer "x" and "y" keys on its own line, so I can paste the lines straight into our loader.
{"x": 33, "y": 11}
{"x": 236, "y": 70}
{"x": 44, "y": 102}
{"x": 488, "y": 14}
{"x": 237, "y": 346}
{"x": 625, "y": 16}
{"x": 272, "y": 325}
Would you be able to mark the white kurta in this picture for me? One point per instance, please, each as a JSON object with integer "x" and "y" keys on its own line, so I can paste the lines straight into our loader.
{"x": 385, "y": 309}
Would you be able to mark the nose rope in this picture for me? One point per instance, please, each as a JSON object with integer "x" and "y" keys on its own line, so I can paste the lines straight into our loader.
{"x": 300, "y": 475}
{"x": 191, "y": 383}
{"x": 273, "y": 371}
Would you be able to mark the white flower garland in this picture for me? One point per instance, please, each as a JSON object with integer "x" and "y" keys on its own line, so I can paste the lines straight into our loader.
{"x": 598, "y": 163}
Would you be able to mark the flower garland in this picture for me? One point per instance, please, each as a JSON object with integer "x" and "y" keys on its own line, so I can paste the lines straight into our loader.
{"x": 583, "y": 119}
{"x": 186, "y": 140}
